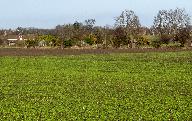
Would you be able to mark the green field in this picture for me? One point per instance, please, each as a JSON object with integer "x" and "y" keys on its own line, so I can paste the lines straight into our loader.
{"x": 132, "y": 86}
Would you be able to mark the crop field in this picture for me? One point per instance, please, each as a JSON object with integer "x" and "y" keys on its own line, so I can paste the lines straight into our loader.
{"x": 118, "y": 86}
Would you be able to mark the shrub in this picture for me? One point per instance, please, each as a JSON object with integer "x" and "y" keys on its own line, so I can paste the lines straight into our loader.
{"x": 31, "y": 43}
{"x": 174, "y": 45}
{"x": 116, "y": 43}
{"x": 20, "y": 43}
{"x": 1, "y": 42}
{"x": 142, "y": 40}
{"x": 165, "y": 38}
{"x": 182, "y": 36}
{"x": 156, "y": 42}
{"x": 67, "y": 43}
{"x": 88, "y": 41}
{"x": 120, "y": 37}
{"x": 50, "y": 40}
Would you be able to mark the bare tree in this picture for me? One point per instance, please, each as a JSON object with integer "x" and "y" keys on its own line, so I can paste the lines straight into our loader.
{"x": 78, "y": 31}
{"x": 171, "y": 21}
{"x": 130, "y": 22}
{"x": 90, "y": 23}
{"x": 172, "y": 25}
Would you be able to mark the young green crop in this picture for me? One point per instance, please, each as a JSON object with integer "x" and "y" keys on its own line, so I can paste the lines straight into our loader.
{"x": 142, "y": 86}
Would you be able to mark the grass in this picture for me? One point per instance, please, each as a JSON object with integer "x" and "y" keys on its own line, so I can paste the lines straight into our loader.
{"x": 139, "y": 86}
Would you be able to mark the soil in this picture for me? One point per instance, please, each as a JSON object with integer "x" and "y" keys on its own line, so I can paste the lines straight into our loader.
{"x": 61, "y": 52}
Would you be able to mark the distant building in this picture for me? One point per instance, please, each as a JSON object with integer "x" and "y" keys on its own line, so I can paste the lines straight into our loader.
{"x": 12, "y": 39}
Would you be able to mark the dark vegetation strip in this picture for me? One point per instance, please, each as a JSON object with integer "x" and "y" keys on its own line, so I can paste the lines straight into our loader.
{"x": 60, "y": 52}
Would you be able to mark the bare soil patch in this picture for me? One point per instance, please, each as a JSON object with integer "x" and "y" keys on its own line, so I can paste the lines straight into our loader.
{"x": 60, "y": 52}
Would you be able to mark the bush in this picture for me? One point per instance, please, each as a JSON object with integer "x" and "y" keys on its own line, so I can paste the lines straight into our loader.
{"x": 182, "y": 36}
{"x": 31, "y": 43}
{"x": 20, "y": 43}
{"x": 67, "y": 43}
{"x": 50, "y": 40}
{"x": 174, "y": 45}
{"x": 1, "y": 42}
{"x": 116, "y": 43}
{"x": 156, "y": 42}
{"x": 55, "y": 42}
{"x": 165, "y": 38}
{"x": 88, "y": 41}
{"x": 120, "y": 37}
{"x": 142, "y": 40}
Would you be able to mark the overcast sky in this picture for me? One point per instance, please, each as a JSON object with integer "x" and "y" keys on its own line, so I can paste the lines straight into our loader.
{"x": 49, "y": 13}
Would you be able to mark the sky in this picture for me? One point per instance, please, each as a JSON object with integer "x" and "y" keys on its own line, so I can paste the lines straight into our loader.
{"x": 49, "y": 13}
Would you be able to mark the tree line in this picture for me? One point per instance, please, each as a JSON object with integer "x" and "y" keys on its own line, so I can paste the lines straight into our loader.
{"x": 171, "y": 28}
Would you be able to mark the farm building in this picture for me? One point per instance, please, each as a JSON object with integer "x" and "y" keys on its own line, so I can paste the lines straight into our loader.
{"x": 13, "y": 39}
